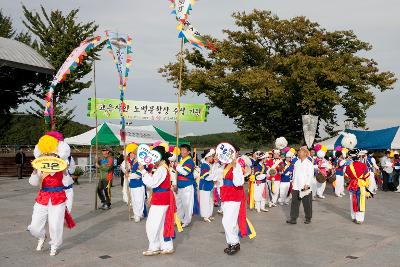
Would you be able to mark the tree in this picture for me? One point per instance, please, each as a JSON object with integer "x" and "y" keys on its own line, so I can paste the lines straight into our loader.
{"x": 6, "y": 28}
{"x": 16, "y": 85}
{"x": 62, "y": 115}
{"x": 270, "y": 71}
{"x": 57, "y": 35}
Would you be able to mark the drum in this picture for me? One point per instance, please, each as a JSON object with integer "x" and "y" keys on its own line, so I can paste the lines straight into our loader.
{"x": 331, "y": 178}
{"x": 320, "y": 178}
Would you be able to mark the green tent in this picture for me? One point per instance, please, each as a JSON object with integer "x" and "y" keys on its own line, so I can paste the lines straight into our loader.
{"x": 109, "y": 134}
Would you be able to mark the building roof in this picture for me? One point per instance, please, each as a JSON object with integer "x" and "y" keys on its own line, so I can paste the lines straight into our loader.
{"x": 19, "y": 55}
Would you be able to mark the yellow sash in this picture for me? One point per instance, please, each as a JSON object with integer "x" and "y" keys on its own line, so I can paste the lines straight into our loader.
{"x": 362, "y": 184}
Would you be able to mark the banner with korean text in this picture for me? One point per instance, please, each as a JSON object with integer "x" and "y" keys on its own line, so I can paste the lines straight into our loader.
{"x": 108, "y": 108}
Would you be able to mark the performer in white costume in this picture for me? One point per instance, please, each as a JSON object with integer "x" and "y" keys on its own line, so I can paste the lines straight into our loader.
{"x": 206, "y": 186}
{"x": 160, "y": 222}
{"x": 137, "y": 189}
{"x": 50, "y": 203}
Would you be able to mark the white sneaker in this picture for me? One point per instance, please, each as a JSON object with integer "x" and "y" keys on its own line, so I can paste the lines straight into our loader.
{"x": 269, "y": 205}
{"x": 184, "y": 225}
{"x": 264, "y": 210}
{"x": 207, "y": 220}
{"x": 53, "y": 252}
{"x": 273, "y": 205}
{"x": 220, "y": 212}
{"x": 321, "y": 197}
{"x": 40, "y": 244}
{"x": 136, "y": 219}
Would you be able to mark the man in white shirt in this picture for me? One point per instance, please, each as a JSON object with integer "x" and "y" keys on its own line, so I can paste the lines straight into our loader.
{"x": 303, "y": 174}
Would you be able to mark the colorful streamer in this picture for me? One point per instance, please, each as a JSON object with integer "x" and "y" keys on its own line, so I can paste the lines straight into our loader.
{"x": 71, "y": 63}
{"x": 181, "y": 8}
{"x": 120, "y": 48}
{"x": 193, "y": 36}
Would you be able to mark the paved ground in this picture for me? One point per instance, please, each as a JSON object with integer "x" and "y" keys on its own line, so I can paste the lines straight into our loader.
{"x": 107, "y": 238}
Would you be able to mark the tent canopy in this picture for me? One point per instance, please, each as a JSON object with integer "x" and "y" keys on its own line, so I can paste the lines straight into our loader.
{"x": 382, "y": 139}
{"x": 109, "y": 134}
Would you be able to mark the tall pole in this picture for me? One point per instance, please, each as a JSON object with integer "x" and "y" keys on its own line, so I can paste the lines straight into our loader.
{"x": 97, "y": 139}
{"x": 179, "y": 94}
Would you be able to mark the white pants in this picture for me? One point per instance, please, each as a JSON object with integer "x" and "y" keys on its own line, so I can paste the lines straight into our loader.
{"x": 70, "y": 198}
{"x": 155, "y": 228}
{"x": 314, "y": 186}
{"x": 259, "y": 200}
{"x": 138, "y": 198}
{"x": 206, "y": 203}
{"x": 273, "y": 195}
{"x": 184, "y": 203}
{"x": 230, "y": 221}
{"x": 339, "y": 186}
{"x": 372, "y": 183}
{"x": 321, "y": 188}
{"x": 125, "y": 192}
{"x": 358, "y": 216}
{"x": 55, "y": 216}
{"x": 283, "y": 192}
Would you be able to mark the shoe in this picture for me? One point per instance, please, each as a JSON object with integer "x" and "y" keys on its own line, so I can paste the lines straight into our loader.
{"x": 53, "y": 252}
{"x": 343, "y": 194}
{"x": 220, "y": 212}
{"x": 167, "y": 251}
{"x": 211, "y": 218}
{"x": 321, "y": 197}
{"x": 40, "y": 243}
{"x": 397, "y": 191}
{"x": 358, "y": 222}
{"x": 184, "y": 225}
{"x": 274, "y": 205}
{"x": 264, "y": 210}
{"x": 226, "y": 250}
{"x": 207, "y": 220}
{"x": 258, "y": 210}
{"x": 353, "y": 220}
{"x": 136, "y": 219}
{"x": 291, "y": 222}
{"x": 307, "y": 221}
{"x": 314, "y": 198}
{"x": 234, "y": 249}
{"x": 286, "y": 203}
{"x": 270, "y": 205}
{"x": 103, "y": 207}
{"x": 150, "y": 252}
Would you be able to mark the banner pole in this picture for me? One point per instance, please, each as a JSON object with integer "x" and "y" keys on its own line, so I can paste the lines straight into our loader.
{"x": 179, "y": 94}
{"x": 97, "y": 140}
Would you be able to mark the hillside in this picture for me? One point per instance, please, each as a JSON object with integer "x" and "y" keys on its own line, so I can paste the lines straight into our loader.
{"x": 22, "y": 129}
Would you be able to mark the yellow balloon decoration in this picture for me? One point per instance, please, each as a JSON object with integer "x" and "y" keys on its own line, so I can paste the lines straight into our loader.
{"x": 47, "y": 144}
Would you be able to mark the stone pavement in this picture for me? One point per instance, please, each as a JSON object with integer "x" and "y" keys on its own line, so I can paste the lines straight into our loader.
{"x": 107, "y": 238}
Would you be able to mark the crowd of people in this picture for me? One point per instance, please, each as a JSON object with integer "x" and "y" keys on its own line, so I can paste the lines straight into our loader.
{"x": 173, "y": 189}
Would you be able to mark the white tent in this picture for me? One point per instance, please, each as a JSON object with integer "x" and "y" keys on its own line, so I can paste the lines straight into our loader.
{"x": 109, "y": 134}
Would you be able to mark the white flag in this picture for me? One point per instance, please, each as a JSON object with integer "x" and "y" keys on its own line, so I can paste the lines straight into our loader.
{"x": 310, "y": 124}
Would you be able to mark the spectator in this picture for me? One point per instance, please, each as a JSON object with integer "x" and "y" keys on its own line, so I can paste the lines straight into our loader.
{"x": 386, "y": 170}
{"x": 20, "y": 160}
{"x": 303, "y": 174}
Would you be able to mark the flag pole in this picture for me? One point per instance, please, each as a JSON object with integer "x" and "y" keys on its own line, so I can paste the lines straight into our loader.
{"x": 179, "y": 95}
{"x": 97, "y": 139}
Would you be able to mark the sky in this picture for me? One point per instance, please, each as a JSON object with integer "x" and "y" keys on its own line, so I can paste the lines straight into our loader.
{"x": 155, "y": 43}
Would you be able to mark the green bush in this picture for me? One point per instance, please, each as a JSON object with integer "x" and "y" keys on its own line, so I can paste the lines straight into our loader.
{"x": 78, "y": 171}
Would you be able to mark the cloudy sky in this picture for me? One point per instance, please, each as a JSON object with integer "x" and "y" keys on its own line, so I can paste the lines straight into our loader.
{"x": 155, "y": 43}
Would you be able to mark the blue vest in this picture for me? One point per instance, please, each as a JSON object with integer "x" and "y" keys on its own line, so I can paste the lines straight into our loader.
{"x": 135, "y": 183}
{"x": 287, "y": 173}
{"x": 186, "y": 180}
{"x": 204, "y": 173}
{"x": 338, "y": 168}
